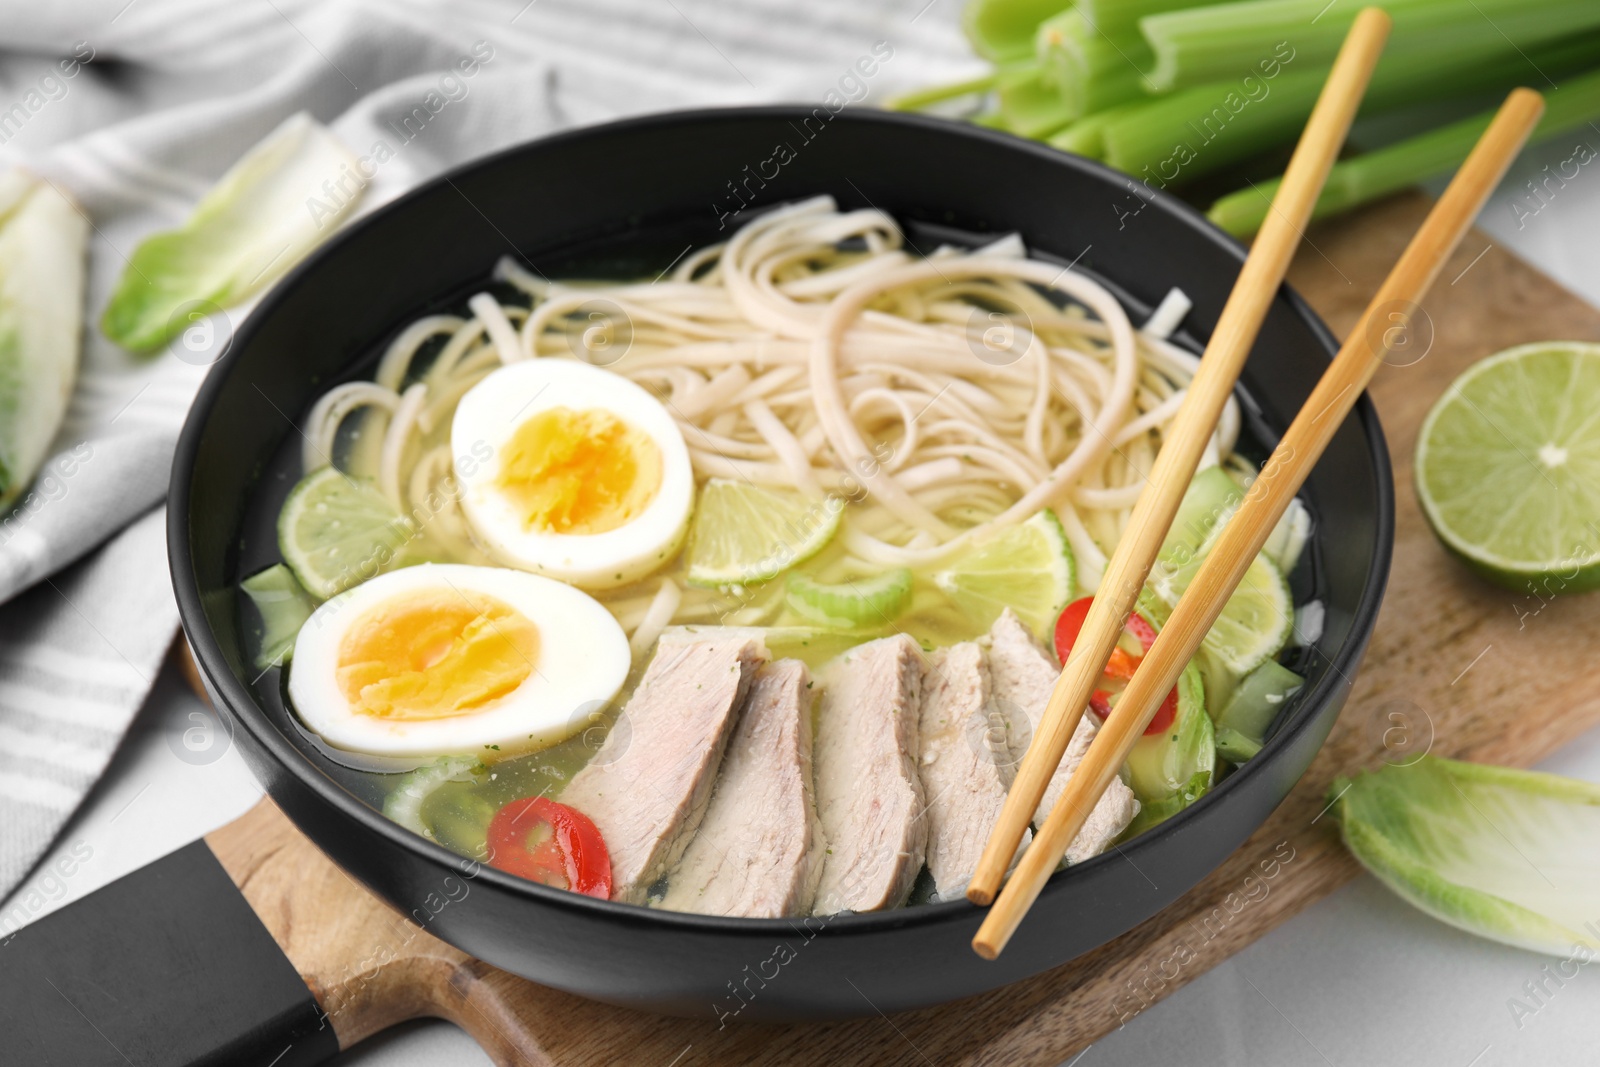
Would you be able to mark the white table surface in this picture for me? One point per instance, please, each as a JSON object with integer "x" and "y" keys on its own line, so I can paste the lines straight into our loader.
{"x": 1357, "y": 979}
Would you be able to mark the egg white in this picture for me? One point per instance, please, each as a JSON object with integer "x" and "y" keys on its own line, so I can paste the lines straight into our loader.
{"x": 491, "y": 412}
{"x": 582, "y": 662}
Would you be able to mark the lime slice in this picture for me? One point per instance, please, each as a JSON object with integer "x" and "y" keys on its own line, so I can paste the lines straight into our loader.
{"x": 875, "y": 601}
{"x": 336, "y": 531}
{"x": 749, "y": 533}
{"x": 1028, "y": 568}
{"x": 1508, "y": 467}
{"x": 1254, "y": 625}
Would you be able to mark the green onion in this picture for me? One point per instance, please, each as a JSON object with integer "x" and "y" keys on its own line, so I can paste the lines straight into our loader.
{"x": 1214, "y": 43}
{"x": 1002, "y": 30}
{"x": 1375, "y": 174}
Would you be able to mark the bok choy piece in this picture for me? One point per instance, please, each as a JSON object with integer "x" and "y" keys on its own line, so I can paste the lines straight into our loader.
{"x": 274, "y": 205}
{"x": 42, "y": 241}
{"x": 1505, "y": 854}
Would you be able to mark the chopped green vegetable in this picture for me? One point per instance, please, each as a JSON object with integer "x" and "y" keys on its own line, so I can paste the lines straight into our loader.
{"x": 42, "y": 241}
{"x": 276, "y": 204}
{"x": 875, "y": 602}
{"x": 1235, "y": 747}
{"x": 284, "y": 607}
{"x": 1367, "y": 177}
{"x": 1171, "y": 770}
{"x": 404, "y": 802}
{"x": 1256, "y": 702}
{"x": 1505, "y": 854}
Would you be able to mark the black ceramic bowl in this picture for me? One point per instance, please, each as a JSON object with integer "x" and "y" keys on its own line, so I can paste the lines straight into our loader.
{"x": 645, "y": 190}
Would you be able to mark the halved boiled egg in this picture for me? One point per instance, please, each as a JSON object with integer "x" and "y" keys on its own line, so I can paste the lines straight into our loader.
{"x": 451, "y": 659}
{"x": 587, "y": 477}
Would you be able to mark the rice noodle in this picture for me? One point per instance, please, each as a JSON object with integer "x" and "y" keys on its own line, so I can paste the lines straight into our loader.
{"x": 945, "y": 397}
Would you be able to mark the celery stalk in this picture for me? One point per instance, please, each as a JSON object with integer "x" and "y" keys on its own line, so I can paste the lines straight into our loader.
{"x": 1212, "y": 43}
{"x": 1086, "y": 136}
{"x": 1030, "y": 104}
{"x": 919, "y": 99}
{"x": 1093, "y": 70}
{"x": 1002, "y": 30}
{"x": 1374, "y": 174}
{"x": 1122, "y": 16}
{"x": 1197, "y": 131}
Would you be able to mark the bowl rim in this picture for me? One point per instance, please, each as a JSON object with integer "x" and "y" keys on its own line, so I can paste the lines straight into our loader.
{"x": 254, "y": 719}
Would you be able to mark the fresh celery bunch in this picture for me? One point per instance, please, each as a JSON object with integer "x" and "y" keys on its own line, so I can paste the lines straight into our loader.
{"x": 1367, "y": 177}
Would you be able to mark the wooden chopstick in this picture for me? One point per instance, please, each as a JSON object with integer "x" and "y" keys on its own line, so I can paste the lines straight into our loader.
{"x": 1280, "y": 479}
{"x": 1185, "y": 440}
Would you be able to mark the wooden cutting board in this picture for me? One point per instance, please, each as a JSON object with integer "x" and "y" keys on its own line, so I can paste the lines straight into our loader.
{"x": 1457, "y": 666}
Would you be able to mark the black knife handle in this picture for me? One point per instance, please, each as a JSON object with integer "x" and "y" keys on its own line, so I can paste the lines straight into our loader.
{"x": 166, "y": 967}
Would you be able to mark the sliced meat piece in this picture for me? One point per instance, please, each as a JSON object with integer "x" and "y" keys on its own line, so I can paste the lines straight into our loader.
{"x": 759, "y": 850}
{"x": 964, "y": 746}
{"x": 869, "y": 794}
{"x": 648, "y": 787}
{"x": 1022, "y": 674}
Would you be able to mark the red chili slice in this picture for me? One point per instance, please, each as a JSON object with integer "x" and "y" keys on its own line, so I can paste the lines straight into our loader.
{"x": 1121, "y": 665}
{"x": 550, "y": 843}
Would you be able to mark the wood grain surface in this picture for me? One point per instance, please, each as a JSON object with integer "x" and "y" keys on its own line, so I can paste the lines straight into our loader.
{"x": 1457, "y": 666}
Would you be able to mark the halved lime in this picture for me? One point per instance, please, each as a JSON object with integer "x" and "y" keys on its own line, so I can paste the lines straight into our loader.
{"x": 336, "y": 531}
{"x": 1028, "y": 568}
{"x": 750, "y": 533}
{"x": 874, "y": 601}
{"x": 1508, "y": 467}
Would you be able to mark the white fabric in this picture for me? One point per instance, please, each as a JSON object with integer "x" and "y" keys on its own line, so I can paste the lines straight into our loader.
{"x": 172, "y": 93}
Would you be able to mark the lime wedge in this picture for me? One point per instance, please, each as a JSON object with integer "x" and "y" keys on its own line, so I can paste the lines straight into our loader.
{"x": 336, "y": 531}
{"x": 1508, "y": 467}
{"x": 1255, "y": 623}
{"x": 874, "y": 601}
{"x": 1028, "y": 568}
{"x": 750, "y": 533}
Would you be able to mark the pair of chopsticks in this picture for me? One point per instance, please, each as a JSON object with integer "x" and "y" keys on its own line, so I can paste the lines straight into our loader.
{"x": 1280, "y": 479}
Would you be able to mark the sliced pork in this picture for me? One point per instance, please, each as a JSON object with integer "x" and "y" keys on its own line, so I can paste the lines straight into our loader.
{"x": 964, "y": 749}
{"x": 1022, "y": 674}
{"x": 648, "y": 787}
{"x": 759, "y": 849}
{"x": 869, "y": 794}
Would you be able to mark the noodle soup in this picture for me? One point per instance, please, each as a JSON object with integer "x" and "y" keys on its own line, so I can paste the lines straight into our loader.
{"x": 794, "y": 446}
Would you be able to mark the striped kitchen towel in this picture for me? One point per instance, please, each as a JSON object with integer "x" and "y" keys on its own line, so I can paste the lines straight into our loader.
{"x": 162, "y": 96}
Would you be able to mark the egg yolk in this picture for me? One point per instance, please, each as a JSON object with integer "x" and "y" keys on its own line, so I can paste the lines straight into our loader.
{"x": 434, "y": 654}
{"x": 579, "y": 472}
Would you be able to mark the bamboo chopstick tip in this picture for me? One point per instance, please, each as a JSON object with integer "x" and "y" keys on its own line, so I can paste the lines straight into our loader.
{"x": 1524, "y": 98}
{"x": 1373, "y": 20}
{"x": 981, "y": 895}
{"x": 986, "y": 948}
